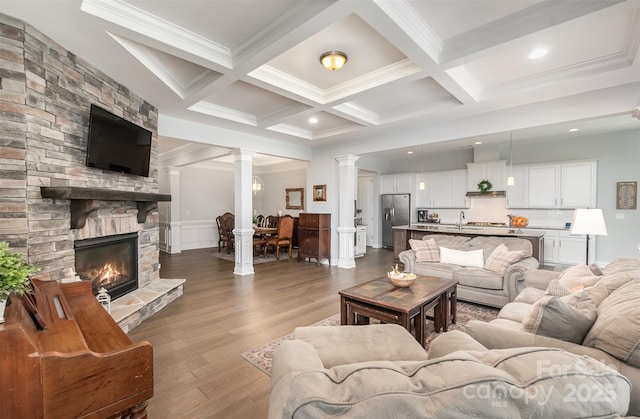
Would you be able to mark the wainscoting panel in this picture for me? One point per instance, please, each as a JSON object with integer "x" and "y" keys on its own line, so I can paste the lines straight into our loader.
{"x": 198, "y": 234}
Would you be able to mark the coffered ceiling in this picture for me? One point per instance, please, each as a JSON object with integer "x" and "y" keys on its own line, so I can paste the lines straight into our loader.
{"x": 253, "y": 65}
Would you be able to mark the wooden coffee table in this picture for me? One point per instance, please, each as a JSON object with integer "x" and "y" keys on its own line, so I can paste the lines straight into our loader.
{"x": 380, "y": 299}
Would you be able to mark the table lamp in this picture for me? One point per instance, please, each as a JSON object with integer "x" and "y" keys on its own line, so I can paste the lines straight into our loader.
{"x": 588, "y": 221}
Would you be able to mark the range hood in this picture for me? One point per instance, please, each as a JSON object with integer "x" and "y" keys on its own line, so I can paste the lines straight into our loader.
{"x": 490, "y": 194}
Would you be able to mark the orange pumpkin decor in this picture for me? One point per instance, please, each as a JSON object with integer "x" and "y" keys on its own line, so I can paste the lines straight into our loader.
{"x": 519, "y": 221}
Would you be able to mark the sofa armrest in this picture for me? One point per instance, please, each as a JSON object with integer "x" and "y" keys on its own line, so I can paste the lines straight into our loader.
{"x": 408, "y": 258}
{"x": 291, "y": 358}
{"x": 539, "y": 278}
{"x": 515, "y": 274}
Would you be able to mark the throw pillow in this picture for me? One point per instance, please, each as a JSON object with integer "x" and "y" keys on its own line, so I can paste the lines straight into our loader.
{"x": 501, "y": 258}
{"x": 556, "y": 289}
{"x": 578, "y": 276}
{"x": 425, "y": 250}
{"x": 554, "y": 317}
{"x": 617, "y": 329}
{"x": 473, "y": 258}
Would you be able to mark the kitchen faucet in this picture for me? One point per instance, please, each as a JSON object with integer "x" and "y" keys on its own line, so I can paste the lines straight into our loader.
{"x": 460, "y": 220}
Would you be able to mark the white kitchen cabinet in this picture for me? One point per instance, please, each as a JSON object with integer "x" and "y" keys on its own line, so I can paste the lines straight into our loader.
{"x": 561, "y": 247}
{"x": 459, "y": 189}
{"x": 493, "y": 171}
{"x": 517, "y": 193}
{"x": 554, "y": 185}
{"x": 445, "y": 189}
{"x": 361, "y": 241}
{"x": 400, "y": 183}
{"x": 577, "y": 185}
{"x": 543, "y": 186}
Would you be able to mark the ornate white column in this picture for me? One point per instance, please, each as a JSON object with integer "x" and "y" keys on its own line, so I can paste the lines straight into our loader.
{"x": 346, "y": 210}
{"x": 174, "y": 224}
{"x": 243, "y": 230}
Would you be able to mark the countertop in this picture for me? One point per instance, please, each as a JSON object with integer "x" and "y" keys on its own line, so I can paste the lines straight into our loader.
{"x": 475, "y": 230}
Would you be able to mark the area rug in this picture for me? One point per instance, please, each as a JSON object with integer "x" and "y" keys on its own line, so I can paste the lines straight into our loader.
{"x": 271, "y": 257}
{"x": 261, "y": 356}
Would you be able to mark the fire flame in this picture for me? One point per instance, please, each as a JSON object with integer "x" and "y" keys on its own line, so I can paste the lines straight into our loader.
{"x": 108, "y": 274}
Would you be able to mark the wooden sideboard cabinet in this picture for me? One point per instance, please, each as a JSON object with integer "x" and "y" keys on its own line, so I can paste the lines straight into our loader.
{"x": 314, "y": 236}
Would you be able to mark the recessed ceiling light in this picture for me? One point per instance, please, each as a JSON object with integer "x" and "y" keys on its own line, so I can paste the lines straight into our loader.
{"x": 313, "y": 120}
{"x": 538, "y": 53}
{"x": 574, "y": 129}
{"x": 409, "y": 152}
{"x": 477, "y": 143}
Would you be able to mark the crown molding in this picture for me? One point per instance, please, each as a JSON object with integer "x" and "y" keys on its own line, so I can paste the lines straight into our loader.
{"x": 224, "y": 113}
{"x": 405, "y": 16}
{"x": 125, "y": 15}
{"x": 359, "y": 112}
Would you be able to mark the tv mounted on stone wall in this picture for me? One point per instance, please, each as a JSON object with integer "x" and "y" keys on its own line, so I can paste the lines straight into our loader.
{"x": 116, "y": 144}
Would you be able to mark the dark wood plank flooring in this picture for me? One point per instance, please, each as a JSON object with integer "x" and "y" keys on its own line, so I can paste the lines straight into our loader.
{"x": 197, "y": 340}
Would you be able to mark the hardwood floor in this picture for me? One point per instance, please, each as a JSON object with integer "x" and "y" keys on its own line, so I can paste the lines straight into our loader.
{"x": 197, "y": 340}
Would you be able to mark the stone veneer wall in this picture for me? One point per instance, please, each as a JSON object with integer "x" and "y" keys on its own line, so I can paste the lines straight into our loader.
{"x": 45, "y": 97}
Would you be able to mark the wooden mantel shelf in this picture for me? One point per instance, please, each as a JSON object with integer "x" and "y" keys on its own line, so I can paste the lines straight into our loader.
{"x": 83, "y": 201}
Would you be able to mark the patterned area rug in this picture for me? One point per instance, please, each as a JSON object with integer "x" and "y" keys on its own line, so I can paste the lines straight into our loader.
{"x": 261, "y": 356}
{"x": 271, "y": 257}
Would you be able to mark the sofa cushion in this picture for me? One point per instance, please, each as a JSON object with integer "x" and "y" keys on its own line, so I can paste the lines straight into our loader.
{"x": 452, "y": 242}
{"x": 597, "y": 293}
{"x": 489, "y": 243}
{"x": 478, "y": 278}
{"x": 436, "y": 388}
{"x": 462, "y": 257}
{"x": 565, "y": 318}
{"x": 629, "y": 265}
{"x": 617, "y": 329}
{"x": 529, "y": 295}
{"x": 515, "y": 311}
{"x": 615, "y": 280}
{"x": 439, "y": 270}
{"x": 578, "y": 276}
{"x": 501, "y": 258}
{"x": 425, "y": 250}
{"x": 556, "y": 289}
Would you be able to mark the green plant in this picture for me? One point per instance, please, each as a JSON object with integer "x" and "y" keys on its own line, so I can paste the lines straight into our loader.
{"x": 14, "y": 272}
{"x": 485, "y": 186}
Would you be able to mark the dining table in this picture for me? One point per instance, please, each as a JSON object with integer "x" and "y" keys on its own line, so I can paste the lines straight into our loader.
{"x": 264, "y": 231}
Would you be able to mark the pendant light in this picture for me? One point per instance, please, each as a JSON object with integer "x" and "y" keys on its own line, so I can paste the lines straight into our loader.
{"x": 257, "y": 185}
{"x": 510, "y": 179}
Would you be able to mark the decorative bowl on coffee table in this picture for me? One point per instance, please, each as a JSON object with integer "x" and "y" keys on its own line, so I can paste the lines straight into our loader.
{"x": 402, "y": 279}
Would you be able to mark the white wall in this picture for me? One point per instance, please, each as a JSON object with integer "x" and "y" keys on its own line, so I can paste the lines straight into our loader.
{"x": 274, "y": 198}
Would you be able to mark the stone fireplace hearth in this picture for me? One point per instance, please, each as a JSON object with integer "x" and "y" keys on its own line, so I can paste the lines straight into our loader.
{"x": 46, "y": 97}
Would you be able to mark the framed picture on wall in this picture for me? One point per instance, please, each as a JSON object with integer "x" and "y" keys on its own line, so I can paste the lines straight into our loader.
{"x": 319, "y": 192}
{"x": 626, "y": 195}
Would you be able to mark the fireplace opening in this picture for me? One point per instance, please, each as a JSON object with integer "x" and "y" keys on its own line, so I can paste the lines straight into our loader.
{"x": 109, "y": 262}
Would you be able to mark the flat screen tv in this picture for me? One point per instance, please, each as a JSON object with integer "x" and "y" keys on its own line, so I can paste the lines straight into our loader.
{"x": 116, "y": 144}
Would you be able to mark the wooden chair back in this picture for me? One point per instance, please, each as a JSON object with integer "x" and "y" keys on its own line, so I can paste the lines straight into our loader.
{"x": 285, "y": 228}
{"x": 271, "y": 221}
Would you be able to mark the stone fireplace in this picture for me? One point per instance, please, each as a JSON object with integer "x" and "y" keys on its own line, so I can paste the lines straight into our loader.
{"x": 109, "y": 262}
{"x": 45, "y": 96}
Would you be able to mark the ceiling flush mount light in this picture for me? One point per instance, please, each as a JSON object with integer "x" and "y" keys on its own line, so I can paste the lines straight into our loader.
{"x": 333, "y": 60}
{"x": 537, "y": 53}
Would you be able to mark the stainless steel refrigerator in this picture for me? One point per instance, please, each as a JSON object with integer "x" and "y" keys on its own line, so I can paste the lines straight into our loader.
{"x": 396, "y": 210}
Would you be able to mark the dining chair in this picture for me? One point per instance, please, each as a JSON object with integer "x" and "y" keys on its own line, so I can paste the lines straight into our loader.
{"x": 222, "y": 236}
{"x": 260, "y": 220}
{"x": 283, "y": 237}
{"x": 228, "y": 224}
{"x": 271, "y": 221}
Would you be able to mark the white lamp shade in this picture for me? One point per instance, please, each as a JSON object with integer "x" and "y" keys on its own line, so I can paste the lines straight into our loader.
{"x": 588, "y": 221}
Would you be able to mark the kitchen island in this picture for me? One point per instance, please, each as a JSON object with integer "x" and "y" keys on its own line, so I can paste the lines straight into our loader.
{"x": 402, "y": 235}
